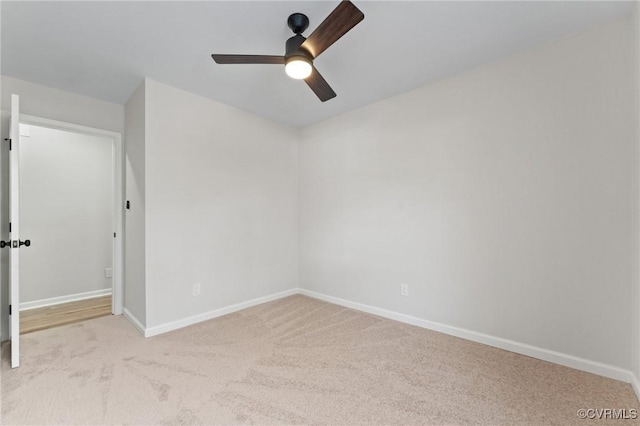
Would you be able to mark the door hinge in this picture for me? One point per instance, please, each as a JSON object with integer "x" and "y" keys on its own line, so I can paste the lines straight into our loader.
{"x": 8, "y": 139}
{"x": 9, "y": 309}
{"x": 9, "y": 226}
{"x": 114, "y": 235}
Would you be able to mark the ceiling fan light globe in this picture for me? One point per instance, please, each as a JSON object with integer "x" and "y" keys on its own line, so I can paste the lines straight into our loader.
{"x": 298, "y": 68}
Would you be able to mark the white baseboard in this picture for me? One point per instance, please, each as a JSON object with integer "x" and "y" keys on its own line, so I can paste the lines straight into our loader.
{"x": 509, "y": 345}
{"x": 64, "y": 299}
{"x": 635, "y": 382}
{"x": 170, "y": 326}
{"x": 134, "y": 321}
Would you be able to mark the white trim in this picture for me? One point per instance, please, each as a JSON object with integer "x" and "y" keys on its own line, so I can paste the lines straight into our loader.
{"x": 62, "y": 125}
{"x": 566, "y": 360}
{"x": 14, "y": 218}
{"x": 509, "y": 345}
{"x": 117, "y": 301}
{"x": 25, "y": 306}
{"x": 134, "y": 321}
{"x": 170, "y": 326}
{"x": 635, "y": 382}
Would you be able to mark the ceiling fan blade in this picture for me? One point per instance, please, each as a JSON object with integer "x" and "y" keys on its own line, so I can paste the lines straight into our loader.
{"x": 319, "y": 85}
{"x": 338, "y": 23}
{"x": 248, "y": 59}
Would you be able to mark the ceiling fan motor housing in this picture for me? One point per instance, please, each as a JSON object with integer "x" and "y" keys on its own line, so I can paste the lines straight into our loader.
{"x": 298, "y": 22}
{"x": 294, "y": 51}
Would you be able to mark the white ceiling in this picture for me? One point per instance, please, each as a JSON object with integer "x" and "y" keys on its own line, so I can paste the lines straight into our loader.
{"x": 104, "y": 49}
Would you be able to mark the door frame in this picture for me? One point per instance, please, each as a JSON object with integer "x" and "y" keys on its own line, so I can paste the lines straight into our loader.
{"x": 117, "y": 294}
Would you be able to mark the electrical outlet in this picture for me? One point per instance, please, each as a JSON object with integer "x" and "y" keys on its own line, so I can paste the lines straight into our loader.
{"x": 196, "y": 289}
{"x": 404, "y": 289}
{"x": 108, "y": 273}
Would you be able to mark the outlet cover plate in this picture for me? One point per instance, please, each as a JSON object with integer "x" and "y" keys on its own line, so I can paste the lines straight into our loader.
{"x": 404, "y": 289}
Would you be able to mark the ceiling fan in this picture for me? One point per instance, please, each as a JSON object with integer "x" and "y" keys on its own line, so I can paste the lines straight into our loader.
{"x": 301, "y": 51}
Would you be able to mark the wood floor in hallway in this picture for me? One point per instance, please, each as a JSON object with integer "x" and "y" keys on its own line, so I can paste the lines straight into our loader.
{"x": 66, "y": 313}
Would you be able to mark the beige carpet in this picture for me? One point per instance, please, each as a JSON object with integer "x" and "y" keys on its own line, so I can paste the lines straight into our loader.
{"x": 293, "y": 361}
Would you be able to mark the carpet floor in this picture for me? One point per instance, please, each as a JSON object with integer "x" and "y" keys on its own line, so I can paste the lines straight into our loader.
{"x": 296, "y": 360}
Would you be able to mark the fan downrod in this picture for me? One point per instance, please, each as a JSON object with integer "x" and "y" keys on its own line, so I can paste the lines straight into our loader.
{"x": 298, "y": 22}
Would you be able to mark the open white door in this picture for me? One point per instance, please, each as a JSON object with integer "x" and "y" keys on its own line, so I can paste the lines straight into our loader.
{"x": 14, "y": 231}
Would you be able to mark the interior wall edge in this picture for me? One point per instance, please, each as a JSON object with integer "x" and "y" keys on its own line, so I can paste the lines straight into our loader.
{"x": 543, "y": 354}
{"x": 134, "y": 321}
{"x": 134, "y": 298}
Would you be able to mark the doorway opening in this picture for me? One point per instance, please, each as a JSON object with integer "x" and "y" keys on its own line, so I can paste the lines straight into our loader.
{"x": 71, "y": 211}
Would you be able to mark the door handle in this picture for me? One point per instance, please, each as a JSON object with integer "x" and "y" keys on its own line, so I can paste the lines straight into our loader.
{"x": 4, "y": 244}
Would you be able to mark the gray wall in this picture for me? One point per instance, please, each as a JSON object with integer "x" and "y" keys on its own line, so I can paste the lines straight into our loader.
{"x": 506, "y": 197}
{"x": 221, "y": 205}
{"x": 66, "y": 209}
{"x": 45, "y": 102}
{"x": 135, "y": 275}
